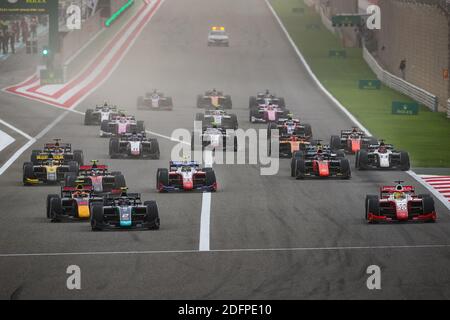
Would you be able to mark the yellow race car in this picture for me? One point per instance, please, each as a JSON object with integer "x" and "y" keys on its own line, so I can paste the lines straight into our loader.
{"x": 50, "y": 169}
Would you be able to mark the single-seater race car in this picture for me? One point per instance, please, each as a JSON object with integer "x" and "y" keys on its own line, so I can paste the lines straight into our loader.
{"x": 99, "y": 114}
{"x": 126, "y": 211}
{"x": 155, "y": 101}
{"x": 74, "y": 203}
{"x": 288, "y": 127}
{"x": 214, "y": 99}
{"x": 266, "y": 98}
{"x": 57, "y": 151}
{"x": 120, "y": 125}
{"x": 399, "y": 203}
{"x": 289, "y": 145}
{"x": 351, "y": 141}
{"x": 185, "y": 176}
{"x": 382, "y": 156}
{"x": 219, "y": 117}
{"x": 48, "y": 171}
{"x": 96, "y": 178}
{"x": 319, "y": 161}
{"x": 215, "y": 138}
{"x": 267, "y": 113}
{"x": 133, "y": 145}
{"x": 217, "y": 37}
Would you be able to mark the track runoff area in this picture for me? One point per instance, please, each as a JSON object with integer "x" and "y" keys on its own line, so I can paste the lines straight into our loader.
{"x": 260, "y": 236}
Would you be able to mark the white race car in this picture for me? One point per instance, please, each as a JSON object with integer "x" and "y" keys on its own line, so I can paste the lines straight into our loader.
{"x": 218, "y": 37}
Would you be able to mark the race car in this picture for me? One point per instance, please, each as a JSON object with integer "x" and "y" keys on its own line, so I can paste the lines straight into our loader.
{"x": 58, "y": 151}
{"x": 267, "y": 113}
{"x": 126, "y": 211}
{"x": 99, "y": 114}
{"x": 214, "y": 99}
{"x": 218, "y": 37}
{"x": 266, "y": 98}
{"x": 74, "y": 203}
{"x": 155, "y": 101}
{"x": 288, "y": 127}
{"x": 319, "y": 161}
{"x": 220, "y": 117}
{"x": 215, "y": 138}
{"x": 133, "y": 145}
{"x": 289, "y": 145}
{"x": 399, "y": 203}
{"x": 96, "y": 178}
{"x": 185, "y": 176}
{"x": 48, "y": 171}
{"x": 351, "y": 141}
{"x": 121, "y": 124}
{"x": 382, "y": 156}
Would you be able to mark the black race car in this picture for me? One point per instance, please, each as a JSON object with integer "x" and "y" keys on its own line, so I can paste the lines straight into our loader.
{"x": 126, "y": 211}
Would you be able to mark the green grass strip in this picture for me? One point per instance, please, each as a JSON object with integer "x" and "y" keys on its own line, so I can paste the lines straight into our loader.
{"x": 425, "y": 136}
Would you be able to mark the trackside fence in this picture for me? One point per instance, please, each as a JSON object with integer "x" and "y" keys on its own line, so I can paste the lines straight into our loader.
{"x": 396, "y": 83}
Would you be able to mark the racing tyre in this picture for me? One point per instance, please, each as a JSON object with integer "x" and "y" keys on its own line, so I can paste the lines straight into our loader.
{"x": 34, "y": 155}
{"x": 345, "y": 169}
{"x": 281, "y": 103}
{"x": 254, "y": 112}
{"x": 78, "y": 157}
{"x": 228, "y": 104}
{"x": 119, "y": 182}
{"x": 114, "y": 147}
{"x": 252, "y": 102}
{"x": 154, "y": 149}
{"x": 49, "y": 200}
{"x": 210, "y": 179}
{"x": 404, "y": 161}
{"x": 70, "y": 180}
{"x": 199, "y": 101}
{"x": 28, "y": 172}
{"x": 335, "y": 143}
{"x": 363, "y": 160}
{"x": 162, "y": 178}
{"x": 271, "y": 126}
{"x": 74, "y": 167}
{"x": 97, "y": 217}
{"x": 116, "y": 173}
{"x": 308, "y": 130}
{"x": 234, "y": 121}
{"x": 88, "y": 117}
{"x": 428, "y": 203}
{"x": 55, "y": 209}
{"x": 300, "y": 169}
{"x": 372, "y": 206}
{"x": 140, "y": 127}
{"x": 296, "y": 156}
{"x": 152, "y": 215}
{"x": 169, "y": 103}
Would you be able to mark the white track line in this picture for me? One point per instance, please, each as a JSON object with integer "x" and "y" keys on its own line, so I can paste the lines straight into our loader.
{"x": 5, "y": 140}
{"x": 336, "y": 102}
{"x": 249, "y": 250}
{"x": 6, "y": 124}
{"x": 205, "y": 217}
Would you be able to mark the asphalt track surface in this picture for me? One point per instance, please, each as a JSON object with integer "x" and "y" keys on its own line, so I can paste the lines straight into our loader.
{"x": 271, "y": 237}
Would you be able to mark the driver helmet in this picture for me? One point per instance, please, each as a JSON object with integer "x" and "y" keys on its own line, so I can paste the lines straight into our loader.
{"x": 398, "y": 195}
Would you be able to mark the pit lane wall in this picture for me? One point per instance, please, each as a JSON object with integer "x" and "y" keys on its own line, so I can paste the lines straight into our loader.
{"x": 77, "y": 47}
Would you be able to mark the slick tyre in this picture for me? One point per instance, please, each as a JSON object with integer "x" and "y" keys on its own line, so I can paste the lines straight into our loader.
{"x": 372, "y": 206}
{"x": 162, "y": 179}
{"x": 97, "y": 217}
{"x": 28, "y": 173}
{"x": 152, "y": 217}
{"x": 49, "y": 201}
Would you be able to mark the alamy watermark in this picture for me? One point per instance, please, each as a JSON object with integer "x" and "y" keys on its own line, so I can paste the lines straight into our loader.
{"x": 229, "y": 147}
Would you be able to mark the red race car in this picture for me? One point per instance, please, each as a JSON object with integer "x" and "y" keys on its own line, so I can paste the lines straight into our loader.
{"x": 399, "y": 203}
{"x": 351, "y": 141}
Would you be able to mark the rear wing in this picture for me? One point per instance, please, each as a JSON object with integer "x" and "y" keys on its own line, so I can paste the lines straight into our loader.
{"x": 173, "y": 165}
{"x": 386, "y": 191}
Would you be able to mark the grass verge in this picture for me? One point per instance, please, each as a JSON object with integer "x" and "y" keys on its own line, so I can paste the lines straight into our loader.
{"x": 425, "y": 136}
